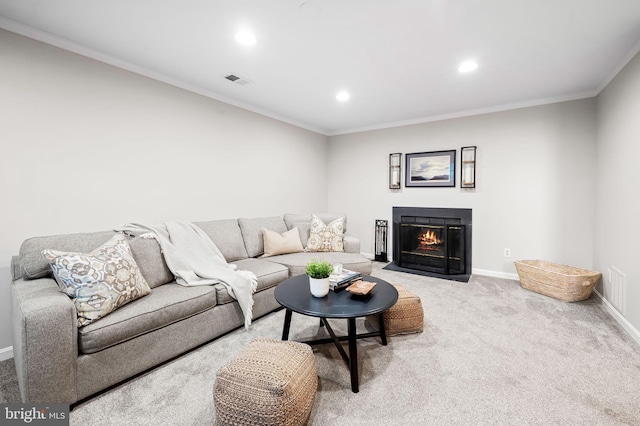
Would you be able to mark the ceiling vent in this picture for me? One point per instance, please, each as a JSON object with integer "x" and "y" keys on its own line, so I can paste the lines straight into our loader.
{"x": 238, "y": 79}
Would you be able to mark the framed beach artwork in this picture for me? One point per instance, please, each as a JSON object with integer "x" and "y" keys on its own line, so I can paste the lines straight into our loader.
{"x": 431, "y": 169}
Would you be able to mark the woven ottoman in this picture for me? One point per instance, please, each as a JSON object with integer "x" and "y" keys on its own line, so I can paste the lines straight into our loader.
{"x": 405, "y": 317}
{"x": 270, "y": 382}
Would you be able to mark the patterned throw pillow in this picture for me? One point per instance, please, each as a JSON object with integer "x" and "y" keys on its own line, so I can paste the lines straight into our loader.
{"x": 323, "y": 237}
{"x": 101, "y": 281}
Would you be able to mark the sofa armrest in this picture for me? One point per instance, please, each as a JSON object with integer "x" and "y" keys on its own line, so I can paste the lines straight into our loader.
{"x": 16, "y": 269}
{"x": 45, "y": 341}
{"x": 351, "y": 244}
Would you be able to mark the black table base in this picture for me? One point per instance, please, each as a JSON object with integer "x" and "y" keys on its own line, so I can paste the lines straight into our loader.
{"x": 352, "y": 358}
{"x": 295, "y": 296}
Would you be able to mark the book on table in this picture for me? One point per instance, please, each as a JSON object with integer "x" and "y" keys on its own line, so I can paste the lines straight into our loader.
{"x": 343, "y": 280}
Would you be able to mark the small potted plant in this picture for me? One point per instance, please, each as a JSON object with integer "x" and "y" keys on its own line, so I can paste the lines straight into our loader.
{"x": 319, "y": 272}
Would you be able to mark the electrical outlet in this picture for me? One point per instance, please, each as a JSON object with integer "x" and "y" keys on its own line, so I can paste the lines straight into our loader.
{"x": 507, "y": 252}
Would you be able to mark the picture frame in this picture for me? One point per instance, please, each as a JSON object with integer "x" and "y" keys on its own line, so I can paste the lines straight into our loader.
{"x": 394, "y": 170}
{"x": 468, "y": 166}
{"x": 430, "y": 169}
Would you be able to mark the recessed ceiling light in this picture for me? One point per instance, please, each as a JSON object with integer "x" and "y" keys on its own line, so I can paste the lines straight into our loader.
{"x": 343, "y": 96}
{"x": 245, "y": 38}
{"x": 468, "y": 66}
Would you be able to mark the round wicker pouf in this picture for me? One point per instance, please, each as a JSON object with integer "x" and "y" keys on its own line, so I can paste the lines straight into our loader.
{"x": 406, "y": 316}
{"x": 270, "y": 382}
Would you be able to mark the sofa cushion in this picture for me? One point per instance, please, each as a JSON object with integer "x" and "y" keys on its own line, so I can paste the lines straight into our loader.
{"x": 226, "y": 235}
{"x": 252, "y": 232}
{"x": 101, "y": 281}
{"x": 281, "y": 243}
{"x": 351, "y": 244}
{"x": 293, "y": 219}
{"x": 165, "y": 305}
{"x": 36, "y": 266}
{"x": 326, "y": 236}
{"x": 269, "y": 274}
{"x": 150, "y": 260}
{"x": 304, "y": 228}
{"x": 297, "y": 262}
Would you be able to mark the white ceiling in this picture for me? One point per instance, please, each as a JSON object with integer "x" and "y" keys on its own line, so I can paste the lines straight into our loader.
{"x": 397, "y": 58}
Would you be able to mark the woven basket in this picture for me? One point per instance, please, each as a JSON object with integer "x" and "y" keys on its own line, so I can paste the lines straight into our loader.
{"x": 269, "y": 383}
{"x": 562, "y": 282}
{"x": 406, "y": 316}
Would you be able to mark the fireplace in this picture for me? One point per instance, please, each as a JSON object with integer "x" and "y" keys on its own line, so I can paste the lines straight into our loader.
{"x": 433, "y": 241}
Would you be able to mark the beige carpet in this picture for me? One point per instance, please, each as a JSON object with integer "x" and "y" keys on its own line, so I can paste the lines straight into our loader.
{"x": 491, "y": 353}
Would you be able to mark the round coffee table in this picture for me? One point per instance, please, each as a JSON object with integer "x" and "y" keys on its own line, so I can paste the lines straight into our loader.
{"x": 294, "y": 295}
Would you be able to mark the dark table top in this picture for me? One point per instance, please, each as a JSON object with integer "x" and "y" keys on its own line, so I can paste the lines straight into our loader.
{"x": 294, "y": 294}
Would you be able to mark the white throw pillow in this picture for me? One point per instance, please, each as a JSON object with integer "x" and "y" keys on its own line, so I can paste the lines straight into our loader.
{"x": 325, "y": 237}
{"x": 276, "y": 243}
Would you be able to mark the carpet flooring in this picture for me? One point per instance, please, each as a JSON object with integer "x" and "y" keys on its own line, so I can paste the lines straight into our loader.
{"x": 491, "y": 353}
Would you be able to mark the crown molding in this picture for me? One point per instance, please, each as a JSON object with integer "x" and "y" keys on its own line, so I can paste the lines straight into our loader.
{"x": 623, "y": 63}
{"x": 471, "y": 112}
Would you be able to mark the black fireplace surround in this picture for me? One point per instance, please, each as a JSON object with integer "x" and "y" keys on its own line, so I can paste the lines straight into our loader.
{"x": 433, "y": 241}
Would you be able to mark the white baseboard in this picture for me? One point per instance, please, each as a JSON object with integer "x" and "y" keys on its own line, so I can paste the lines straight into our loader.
{"x": 6, "y": 353}
{"x": 633, "y": 332}
{"x": 496, "y": 274}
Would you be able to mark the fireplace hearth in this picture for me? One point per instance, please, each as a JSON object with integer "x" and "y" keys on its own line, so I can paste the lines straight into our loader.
{"x": 433, "y": 241}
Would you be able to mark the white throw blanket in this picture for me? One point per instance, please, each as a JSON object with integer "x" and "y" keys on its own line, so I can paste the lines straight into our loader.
{"x": 195, "y": 260}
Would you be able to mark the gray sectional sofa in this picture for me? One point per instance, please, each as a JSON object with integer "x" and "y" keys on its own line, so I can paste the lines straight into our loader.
{"x": 57, "y": 361}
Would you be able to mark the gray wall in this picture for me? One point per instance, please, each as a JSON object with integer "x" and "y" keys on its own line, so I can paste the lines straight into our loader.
{"x": 534, "y": 190}
{"x": 86, "y": 147}
{"x": 617, "y": 235}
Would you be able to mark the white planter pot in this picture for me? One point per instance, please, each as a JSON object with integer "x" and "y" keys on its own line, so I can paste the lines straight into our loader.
{"x": 319, "y": 286}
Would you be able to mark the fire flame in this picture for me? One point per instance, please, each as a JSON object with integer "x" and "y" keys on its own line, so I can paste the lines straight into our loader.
{"x": 427, "y": 239}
